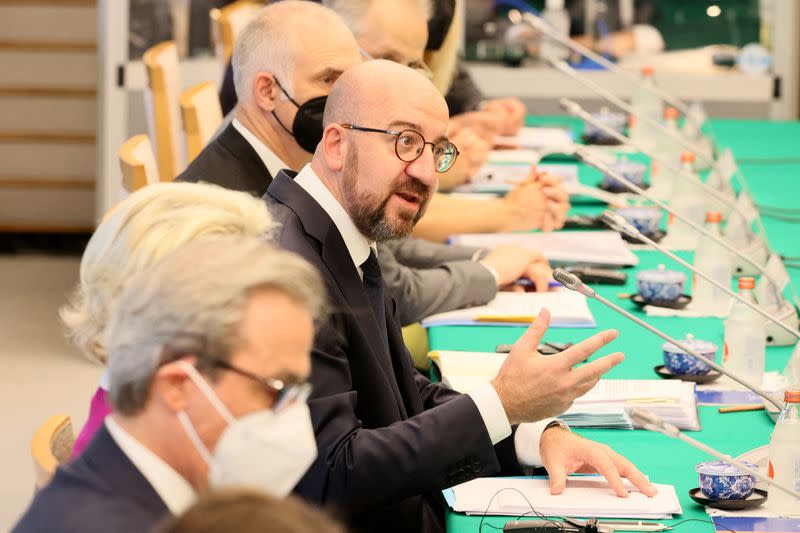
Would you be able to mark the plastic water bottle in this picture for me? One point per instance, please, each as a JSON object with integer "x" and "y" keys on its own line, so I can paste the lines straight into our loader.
{"x": 715, "y": 261}
{"x": 688, "y": 200}
{"x": 666, "y": 143}
{"x": 745, "y": 336}
{"x": 558, "y": 19}
{"x": 645, "y": 103}
{"x": 784, "y": 456}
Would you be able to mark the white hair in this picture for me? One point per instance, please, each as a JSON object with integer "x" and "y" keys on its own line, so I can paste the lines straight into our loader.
{"x": 137, "y": 233}
{"x": 193, "y": 302}
{"x": 269, "y": 41}
{"x": 353, "y": 11}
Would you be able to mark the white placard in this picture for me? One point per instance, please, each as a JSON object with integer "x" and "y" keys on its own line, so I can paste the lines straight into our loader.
{"x": 746, "y": 207}
{"x": 725, "y": 166}
{"x": 776, "y": 272}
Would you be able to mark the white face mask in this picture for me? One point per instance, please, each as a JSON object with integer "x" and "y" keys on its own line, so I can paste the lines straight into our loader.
{"x": 264, "y": 450}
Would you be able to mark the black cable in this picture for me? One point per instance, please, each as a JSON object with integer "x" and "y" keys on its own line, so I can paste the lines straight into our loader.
{"x": 768, "y": 161}
{"x": 780, "y": 216}
{"x": 556, "y": 523}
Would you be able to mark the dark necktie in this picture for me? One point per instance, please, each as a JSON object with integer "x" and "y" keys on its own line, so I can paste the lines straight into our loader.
{"x": 373, "y": 282}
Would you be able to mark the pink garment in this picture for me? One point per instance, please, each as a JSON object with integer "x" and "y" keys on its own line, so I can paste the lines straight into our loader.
{"x": 98, "y": 409}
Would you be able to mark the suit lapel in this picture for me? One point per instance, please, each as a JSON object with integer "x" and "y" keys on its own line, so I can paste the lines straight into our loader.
{"x": 255, "y": 170}
{"x": 336, "y": 257}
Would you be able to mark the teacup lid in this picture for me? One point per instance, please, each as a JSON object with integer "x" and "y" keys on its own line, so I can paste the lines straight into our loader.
{"x": 639, "y": 211}
{"x": 628, "y": 166}
{"x": 606, "y": 114}
{"x": 661, "y": 275}
{"x": 721, "y": 468}
{"x": 698, "y": 345}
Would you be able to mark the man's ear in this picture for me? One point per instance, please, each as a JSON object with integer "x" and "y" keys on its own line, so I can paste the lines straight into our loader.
{"x": 334, "y": 146}
{"x": 171, "y": 385}
{"x": 265, "y": 91}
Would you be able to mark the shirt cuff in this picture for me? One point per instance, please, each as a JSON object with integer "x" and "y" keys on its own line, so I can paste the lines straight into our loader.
{"x": 492, "y": 271}
{"x": 527, "y": 439}
{"x": 492, "y": 412}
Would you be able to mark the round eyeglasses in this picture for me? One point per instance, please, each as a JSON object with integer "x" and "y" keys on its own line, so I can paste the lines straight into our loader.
{"x": 410, "y": 144}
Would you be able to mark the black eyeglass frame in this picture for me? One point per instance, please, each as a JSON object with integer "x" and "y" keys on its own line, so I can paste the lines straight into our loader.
{"x": 285, "y": 393}
{"x": 398, "y": 134}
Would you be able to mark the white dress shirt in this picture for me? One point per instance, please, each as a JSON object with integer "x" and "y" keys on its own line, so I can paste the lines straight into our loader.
{"x": 271, "y": 161}
{"x": 170, "y": 486}
{"x": 526, "y": 439}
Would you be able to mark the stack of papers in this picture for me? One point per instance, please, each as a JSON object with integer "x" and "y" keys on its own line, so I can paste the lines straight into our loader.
{"x": 584, "y": 496}
{"x": 506, "y": 168}
{"x": 725, "y": 391}
{"x": 568, "y": 309}
{"x": 605, "y": 406}
{"x": 551, "y": 140}
{"x": 606, "y": 248}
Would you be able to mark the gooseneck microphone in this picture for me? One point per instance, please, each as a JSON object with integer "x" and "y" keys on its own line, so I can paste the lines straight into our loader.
{"x": 619, "y": 223}
{"x": 542, "y": 25}
{"x": 590, "y": 158}
{"x": 574, "y": 283}
{"x": 563, "y": 67}
{"x": 652, "y": 422}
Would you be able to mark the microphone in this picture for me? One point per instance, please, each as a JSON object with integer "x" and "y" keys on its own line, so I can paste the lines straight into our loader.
{"x": 563, "y": 67}
{"x": 574, "y": 283}
{"x": 619, "y": 223}
{"x": 573, "y": 108}
{"x": 542, "y": 25}
{"x": 652, "y": 422}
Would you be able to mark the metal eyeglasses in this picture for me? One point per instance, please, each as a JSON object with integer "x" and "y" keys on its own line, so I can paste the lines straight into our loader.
{"x": 410, "y": 144}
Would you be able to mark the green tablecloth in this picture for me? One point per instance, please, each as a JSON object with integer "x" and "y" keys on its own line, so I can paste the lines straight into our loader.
{"x": 663, "y": 459}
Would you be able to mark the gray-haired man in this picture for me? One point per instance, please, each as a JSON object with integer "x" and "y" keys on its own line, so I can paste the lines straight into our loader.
{"x": 208, "y": 357}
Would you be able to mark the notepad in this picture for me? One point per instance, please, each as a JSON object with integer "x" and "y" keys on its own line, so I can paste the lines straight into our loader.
{"x": 568, "y": 309}
{"x": 605, "y": 406}
{"x": 597, "y": 248}
{"x": 549, "y": 139}
{"x": 584, "y": 496}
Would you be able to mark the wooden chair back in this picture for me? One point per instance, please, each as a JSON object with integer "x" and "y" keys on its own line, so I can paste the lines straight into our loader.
{"x": 138, "y": 164}
{"x": 201, "y": 116}
{"x": 163, "y": 110}
{"x": 226, "y": 24}
{"x": 51, "y": 447}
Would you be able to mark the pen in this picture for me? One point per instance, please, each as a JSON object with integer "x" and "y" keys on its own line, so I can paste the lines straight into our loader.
{"x": 528, "y": 283}
{"x": 741, "y": 408}
{"x": 506, "y": 318}
{"x": 635, "y": 526}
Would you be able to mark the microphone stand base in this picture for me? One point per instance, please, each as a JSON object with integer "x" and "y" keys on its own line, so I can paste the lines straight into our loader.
{"x": 776, "y": 335}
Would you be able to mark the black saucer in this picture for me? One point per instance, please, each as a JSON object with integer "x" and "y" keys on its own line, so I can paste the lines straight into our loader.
{"x": 682, "y": 301}
{"x": 758, "y": 497}
{"x": 620, "y": 189}
{"x": 657, "y": 236}
{"x": 664, "y": 372}
{"x": 595, "y": 140}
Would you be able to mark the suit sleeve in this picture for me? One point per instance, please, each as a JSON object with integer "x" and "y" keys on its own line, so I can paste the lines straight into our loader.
{"x": 361, "y": 468}
{"x": 444, "y": 285}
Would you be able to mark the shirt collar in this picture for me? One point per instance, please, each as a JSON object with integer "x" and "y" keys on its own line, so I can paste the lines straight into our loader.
{"x": 357, "y": 245}
{"x": 271, "y": 161}
{"x": 170, "y": 486}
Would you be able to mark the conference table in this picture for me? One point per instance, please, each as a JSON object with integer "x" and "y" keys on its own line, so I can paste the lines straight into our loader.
{"x": 768, "y": 154}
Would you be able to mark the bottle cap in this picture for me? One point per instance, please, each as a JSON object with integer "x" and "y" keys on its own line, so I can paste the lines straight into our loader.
{"x": 714, "y": 216}
{"x": 747, "y": 282}
{"x": 791, "y": 396}
{"x": 671, "y": 113}
{"x": 648, "y": 70}
{"x": 687, "y": 157}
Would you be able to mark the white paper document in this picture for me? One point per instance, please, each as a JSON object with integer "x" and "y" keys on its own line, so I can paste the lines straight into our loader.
{"x": 584, "y": 496}
{"x": 506, "y": 168}
{"x": 562, "y": 247}
{"x": 546, "y": 139}
{"x": 568, "y": 309}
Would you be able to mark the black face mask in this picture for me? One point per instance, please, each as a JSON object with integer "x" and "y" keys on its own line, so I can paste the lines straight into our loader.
{"x": 307, "y": 126}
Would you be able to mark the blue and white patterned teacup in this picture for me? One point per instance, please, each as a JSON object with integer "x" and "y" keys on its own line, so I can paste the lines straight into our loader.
{"x": 681, "y": 363}
{"x": 630, "y": 170}
{"x": 615, "y": 121}
{"x": 645, "y": 219}
{"x": 721, "y": 481}
{"x": 660, "y": 286}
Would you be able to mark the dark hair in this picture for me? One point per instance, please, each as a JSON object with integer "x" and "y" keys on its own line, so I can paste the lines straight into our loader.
{"x": 249, "y": 511}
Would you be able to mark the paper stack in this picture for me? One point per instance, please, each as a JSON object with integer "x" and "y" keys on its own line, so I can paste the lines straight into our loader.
{"x": 564, "y": 247}
{"x": 506, "y": 168}
{"x": 584, "y": 496}
{"x": 546, "y": 140}
{"x": 567, "y": 310}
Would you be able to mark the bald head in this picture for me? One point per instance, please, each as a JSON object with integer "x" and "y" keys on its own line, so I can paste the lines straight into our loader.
{"x": 379, "y": 91}
{"x": 284, "y": 34}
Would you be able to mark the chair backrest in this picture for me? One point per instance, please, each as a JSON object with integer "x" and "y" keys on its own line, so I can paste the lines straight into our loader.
{"x": 202, "y": 116}
{"x": 137, "y": 162}
{"x": 51, "y": 446}
{"x": 443, "y": 61}
{"x": 163, "y": 111}
{"x": 226, "y": 24}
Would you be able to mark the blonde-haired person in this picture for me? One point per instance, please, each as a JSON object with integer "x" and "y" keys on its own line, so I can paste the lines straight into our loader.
{"x": 132, "y": 237}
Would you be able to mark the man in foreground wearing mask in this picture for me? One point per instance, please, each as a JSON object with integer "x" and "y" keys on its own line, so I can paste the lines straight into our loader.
{"x": 283, "y": 82}
{"x": 208, "y": 384}
{"x": 390, "y": 440}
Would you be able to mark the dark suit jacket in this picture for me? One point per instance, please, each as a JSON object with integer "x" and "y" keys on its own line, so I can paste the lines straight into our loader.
{"x": 389, "y": 440}
{"x": 229, "y": 161}
{"x": 100, "y": 491}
